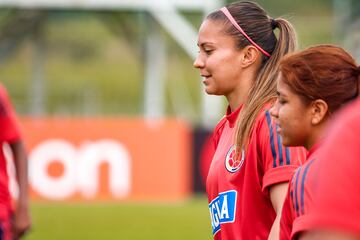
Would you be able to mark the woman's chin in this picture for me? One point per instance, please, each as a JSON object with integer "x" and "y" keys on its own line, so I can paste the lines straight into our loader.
{"x": 286, "y": 144}
{"x": 210, "y": 91}
{"x": 285, "y": 141}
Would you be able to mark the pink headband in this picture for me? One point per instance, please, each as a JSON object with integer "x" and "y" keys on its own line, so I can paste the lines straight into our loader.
{"x": 232, "y": 20}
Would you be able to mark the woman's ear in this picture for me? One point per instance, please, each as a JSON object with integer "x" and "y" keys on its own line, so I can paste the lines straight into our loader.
{"x": 249, "y": 55}
{"x": 319, "y": 111}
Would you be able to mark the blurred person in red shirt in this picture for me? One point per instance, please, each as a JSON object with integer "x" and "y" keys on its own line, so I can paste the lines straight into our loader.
{"x": 14, "y": 222}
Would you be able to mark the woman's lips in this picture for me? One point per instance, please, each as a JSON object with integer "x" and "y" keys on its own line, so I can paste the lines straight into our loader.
{"x": 206, "y": 79}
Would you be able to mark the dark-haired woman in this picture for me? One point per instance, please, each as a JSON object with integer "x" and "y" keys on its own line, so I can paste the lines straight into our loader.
{"x": 313, "y": 84}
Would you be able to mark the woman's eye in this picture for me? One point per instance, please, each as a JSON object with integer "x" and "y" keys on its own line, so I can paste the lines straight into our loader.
{"x": 282, "y": 101}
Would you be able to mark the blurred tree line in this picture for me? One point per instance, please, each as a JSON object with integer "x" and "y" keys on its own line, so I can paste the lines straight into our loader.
{"x": 92, "y": 62}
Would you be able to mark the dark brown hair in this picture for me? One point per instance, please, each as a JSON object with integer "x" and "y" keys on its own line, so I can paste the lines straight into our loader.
{"x": 324, "y": 72}
{"x": 260, "y": 28}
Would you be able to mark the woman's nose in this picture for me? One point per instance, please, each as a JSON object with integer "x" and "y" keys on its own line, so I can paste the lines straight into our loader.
{"x": 274, "y": 110}
{"x": 198, "y": 63}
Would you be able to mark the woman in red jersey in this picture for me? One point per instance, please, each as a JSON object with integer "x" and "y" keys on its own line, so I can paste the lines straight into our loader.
{"x": 335, "y": 213}
{"x": 14, "y": 221}
{"x": 238, "y": 58}
{"x": 312, "y": 85}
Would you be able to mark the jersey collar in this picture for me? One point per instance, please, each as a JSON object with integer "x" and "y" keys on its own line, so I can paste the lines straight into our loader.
{"x": 232, "y": 116}
{"x": 314, "y": 149}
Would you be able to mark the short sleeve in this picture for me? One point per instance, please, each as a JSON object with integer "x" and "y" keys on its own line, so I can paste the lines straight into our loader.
{"x": 278, "y": 162}
{"x": 9, "y": 126}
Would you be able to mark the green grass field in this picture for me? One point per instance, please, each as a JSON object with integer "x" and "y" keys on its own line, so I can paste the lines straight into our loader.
{"x": 127, "y": 221}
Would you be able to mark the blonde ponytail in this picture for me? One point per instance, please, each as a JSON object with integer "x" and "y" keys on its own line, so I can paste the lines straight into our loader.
{"x": 263, "y": 90}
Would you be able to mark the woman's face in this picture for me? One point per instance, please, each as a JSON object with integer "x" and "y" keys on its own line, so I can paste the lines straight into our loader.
{"x": 292, "y": 116}
{"x": 218, "y": 59}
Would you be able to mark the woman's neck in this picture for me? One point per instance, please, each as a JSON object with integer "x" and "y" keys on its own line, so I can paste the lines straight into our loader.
{"x": 240, "y": 94}
{"x": 235, "y": 101}
{"x": 316, "y": 136}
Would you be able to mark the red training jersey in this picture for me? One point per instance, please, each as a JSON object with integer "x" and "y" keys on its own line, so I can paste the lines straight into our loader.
{"x": 337, "y": 200}
{"x": 300, "y": 196}
{"x": 9, "y": 132}
{"x": 239, "y": 200}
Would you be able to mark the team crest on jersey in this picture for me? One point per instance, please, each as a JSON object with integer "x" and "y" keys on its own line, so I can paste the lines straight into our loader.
{"x": 222, "y": 209}
{"x": 231, "y": 163}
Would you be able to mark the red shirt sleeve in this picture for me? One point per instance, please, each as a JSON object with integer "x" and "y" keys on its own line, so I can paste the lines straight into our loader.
{"x": 337, "y": 199}
{"x": 278, "y": 162}
{"x": 9, "y": 126}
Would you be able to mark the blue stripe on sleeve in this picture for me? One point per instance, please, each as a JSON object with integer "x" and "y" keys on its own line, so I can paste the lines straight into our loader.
{"x": 296, "y": 191}
{"x": 287, "y": 152}
{"x": 292, "y": 191}
{"x": 303, "y": 187}
{"x": 280, "y": 149}
{"x": 268, "y": 119}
